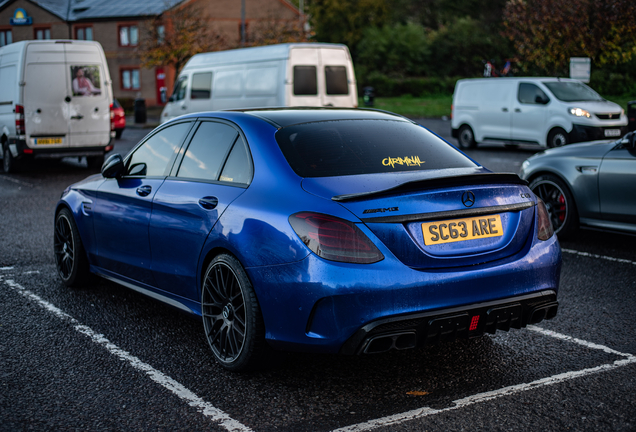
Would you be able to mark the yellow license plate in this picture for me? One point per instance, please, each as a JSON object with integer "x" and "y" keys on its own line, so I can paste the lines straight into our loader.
{"x": 456, "y": 230}
{"x": 43, "y": 141}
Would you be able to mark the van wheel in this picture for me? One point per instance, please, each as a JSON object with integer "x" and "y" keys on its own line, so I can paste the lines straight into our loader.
{"x": 466, "y": 137}
{"x": 557, "y": 138}
{"x": 8, "y": 162}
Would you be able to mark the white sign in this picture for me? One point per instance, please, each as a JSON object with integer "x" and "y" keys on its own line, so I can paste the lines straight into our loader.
{"x": 580, "y": 68}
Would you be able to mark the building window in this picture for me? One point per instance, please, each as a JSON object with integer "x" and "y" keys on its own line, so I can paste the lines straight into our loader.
{"x": 161, "y": 33}
{"x": 130, "y": 79}
{"x": 84, "y": 33}
{"x": 42, "y": 33}
{"x": 128, "y": 35}
{"x": 6, "y": 37}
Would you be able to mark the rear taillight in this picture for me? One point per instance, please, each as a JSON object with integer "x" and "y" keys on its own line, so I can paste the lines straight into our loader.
{"x": 334, "y": 239}
{"x": 19, "y": 120}
{"x": 112, "y": 117}
{"x": 545, "y": 230}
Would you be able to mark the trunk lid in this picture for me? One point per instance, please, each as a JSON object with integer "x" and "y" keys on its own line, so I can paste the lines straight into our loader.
{"x": 455, "y": 218}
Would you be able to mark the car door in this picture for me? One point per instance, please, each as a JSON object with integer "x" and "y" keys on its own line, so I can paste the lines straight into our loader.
{"x": 493, "y": 118}
{"x": 213, "y": 171}
{"x": 530, "y": 114}
{"x": 617, "y": 185}
{"x": 122, "y": 207}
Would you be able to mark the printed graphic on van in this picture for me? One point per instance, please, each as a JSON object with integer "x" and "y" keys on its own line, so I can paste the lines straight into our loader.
{"x": 86, "y": 80}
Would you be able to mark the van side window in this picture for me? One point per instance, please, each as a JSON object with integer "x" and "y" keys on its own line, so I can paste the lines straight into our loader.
{"x": 531, "y": 94}
{"x": 207, "y": 151}
{"x": 201, "y": 86}
{"x": 238, "y": 168}
{"x": 180, "y": 89}
{"x": 336, "y": 79}
{"x": 305, "y": 81}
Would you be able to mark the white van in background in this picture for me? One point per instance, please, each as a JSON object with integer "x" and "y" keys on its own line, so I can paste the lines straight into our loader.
{"x": 55, "y": 101}
{"x": 294, "y": 74}
{"x": 550, "y": 112}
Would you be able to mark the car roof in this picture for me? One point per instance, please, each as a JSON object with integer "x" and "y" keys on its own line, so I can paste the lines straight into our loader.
{"x": 283, "y": 117}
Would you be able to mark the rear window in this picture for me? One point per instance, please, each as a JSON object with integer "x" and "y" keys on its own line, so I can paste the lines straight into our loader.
{"x": 349, "y": 147}
{"x": 568, "y": 91}
{"x": 336, "y": 79}
{"x": 305, "y": 81}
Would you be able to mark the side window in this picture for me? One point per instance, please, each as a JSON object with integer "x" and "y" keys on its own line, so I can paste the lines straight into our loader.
{"x": 336, "y": 79}
{"x": 208, "y": 149}
{"x": 151, "y": 159}
{"x": 238, "y": 168}
{"x": 305, "y": 81}
{"x": 201, "y": 86}
{"x": 531, "y": 94}
{"x": 180, "y": 89}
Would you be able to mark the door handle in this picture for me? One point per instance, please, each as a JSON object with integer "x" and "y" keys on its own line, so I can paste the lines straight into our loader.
{"x": 144, "y": 190}
{"x": 184, "y": 107}
{"x": 504, "y": 109}
{"x": 517, "y": 109}
{"x": 209, "y": 203}
{"x": 77, "y": 117}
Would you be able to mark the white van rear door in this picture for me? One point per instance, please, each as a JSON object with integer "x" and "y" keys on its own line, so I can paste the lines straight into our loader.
{"x": 89, "y": 110}
{"x": 46, "y": 82}
{"x": 303, "y": 69}
{"x": 337, "y": 78}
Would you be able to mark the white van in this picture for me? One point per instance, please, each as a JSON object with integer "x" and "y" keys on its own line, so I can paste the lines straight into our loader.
{"x": 55, "y": 101}
{"x": 550, "y": 112}
{"x": 294, "y": 74}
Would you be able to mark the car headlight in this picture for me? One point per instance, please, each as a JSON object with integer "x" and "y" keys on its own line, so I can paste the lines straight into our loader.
{"x": 580, "y": 112}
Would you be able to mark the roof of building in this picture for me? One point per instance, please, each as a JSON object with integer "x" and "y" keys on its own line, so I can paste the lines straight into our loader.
{"x": 79, "y": 10}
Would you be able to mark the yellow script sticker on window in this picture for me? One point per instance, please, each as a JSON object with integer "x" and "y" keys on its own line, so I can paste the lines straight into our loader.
{"x": 456, "y": 230}
{"x": 408, "y": 161}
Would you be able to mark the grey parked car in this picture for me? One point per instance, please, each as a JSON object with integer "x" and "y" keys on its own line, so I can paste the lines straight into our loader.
{"x": 588, "y": 184}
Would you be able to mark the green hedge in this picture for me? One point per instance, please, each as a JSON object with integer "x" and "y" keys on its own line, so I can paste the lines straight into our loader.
{"x": 385, "y": 86}
{"x": 613, "y": 84}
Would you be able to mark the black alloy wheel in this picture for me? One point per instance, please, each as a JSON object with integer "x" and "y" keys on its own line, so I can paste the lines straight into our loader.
{"x": 232, "y": 319}
{"x": 558, "y": 201}
{"x": 70, "y": 257}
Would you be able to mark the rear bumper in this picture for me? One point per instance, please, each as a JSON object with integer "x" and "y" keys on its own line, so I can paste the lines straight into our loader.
{"x": 415, "y": 330}
{"x": 19, "y": 149}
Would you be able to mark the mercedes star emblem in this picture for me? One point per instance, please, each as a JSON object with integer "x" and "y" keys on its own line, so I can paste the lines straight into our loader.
{"x": 468, "y": 198}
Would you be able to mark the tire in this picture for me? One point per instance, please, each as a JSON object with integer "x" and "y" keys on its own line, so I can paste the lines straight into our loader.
{"x": 466, "y": 138}
{"x": 70, "y": 256}
{"x": 118, "y": 133}
{"x": 232, "y": 318}
{"x": 559, "y": 202}
{"x": 95, "y": 162}
{"x": 8, "y": 162}
{"x": 557, "y": 138}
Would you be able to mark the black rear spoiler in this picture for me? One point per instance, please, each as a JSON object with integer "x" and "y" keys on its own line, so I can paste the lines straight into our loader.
{"x": 436, "y": 183}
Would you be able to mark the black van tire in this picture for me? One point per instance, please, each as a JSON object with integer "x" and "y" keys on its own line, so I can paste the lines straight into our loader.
{"x": 466, "y": 137}
{"x": 557, "y": 138}
{"x": 8, "y": 162}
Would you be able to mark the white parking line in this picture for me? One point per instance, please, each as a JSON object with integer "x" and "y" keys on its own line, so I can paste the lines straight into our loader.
{"x": 591, "y": 255}
{"x": 178, "y": 389}
{"x": 506, "y": 391}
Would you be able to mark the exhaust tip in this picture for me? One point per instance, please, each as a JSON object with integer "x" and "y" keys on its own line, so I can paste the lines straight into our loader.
{"x": 387, "y": 342}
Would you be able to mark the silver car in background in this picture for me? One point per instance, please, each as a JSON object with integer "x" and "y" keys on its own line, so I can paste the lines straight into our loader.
{"x": 589, "y": 184}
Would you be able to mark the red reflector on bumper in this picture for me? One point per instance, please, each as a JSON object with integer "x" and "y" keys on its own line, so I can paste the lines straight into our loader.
{"x": 473, "y": 323}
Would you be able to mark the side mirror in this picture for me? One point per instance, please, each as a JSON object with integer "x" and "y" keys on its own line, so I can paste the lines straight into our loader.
{"x": 540, "y": 100}
{"x": 113, "y": 167}
{"x": 631, "y": 140}
{"x": 171, "y": 98}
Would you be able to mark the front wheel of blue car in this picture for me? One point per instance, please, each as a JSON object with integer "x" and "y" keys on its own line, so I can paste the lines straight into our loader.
{"x": 232, "y": 318}
{"x": 70, "y": 257}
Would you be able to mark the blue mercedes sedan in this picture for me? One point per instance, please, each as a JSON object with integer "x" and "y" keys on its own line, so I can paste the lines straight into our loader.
{"x": 318, "y": 230}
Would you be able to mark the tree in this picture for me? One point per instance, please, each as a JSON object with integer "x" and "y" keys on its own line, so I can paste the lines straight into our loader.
{"x": 274, "y": 31}
{"x": 546, "y": 33}
{"x": 342, "y": 21}
{"x": 176, "y": 35}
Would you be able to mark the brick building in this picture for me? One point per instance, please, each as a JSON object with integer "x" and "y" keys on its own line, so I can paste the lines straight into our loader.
{"x": 118, "y": 26}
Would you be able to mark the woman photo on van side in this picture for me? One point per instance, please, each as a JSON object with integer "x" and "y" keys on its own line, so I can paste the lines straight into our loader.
{"x": 82, "y": 83}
